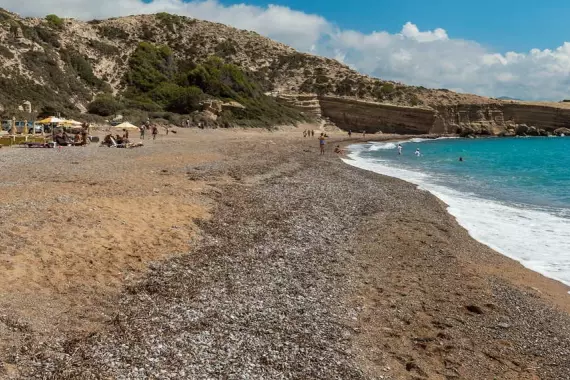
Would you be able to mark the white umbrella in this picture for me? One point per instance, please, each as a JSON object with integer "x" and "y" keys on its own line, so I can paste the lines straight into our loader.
{"x": 50, "y": 120}
{"x": 126, "y": 125}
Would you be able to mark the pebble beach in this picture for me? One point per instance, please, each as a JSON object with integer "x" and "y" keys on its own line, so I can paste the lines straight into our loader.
{"x": 226, "y": 254}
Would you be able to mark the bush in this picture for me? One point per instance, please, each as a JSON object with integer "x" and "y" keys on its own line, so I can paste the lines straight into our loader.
{"x": 47, "y": 36}
{"x": 54, "y": 21}
{"x": 103, "y": 48}
{"x": 169, "y": 21}
{"x": 226, "y": 48}
{"x": 105, "y": 105}
{"x": 82, "y": 67}
{"x": 113, "y": 33}
{"x": 187, "y": 101}
{"x": 149, "y": 66}
{"x": 387, "y": 88}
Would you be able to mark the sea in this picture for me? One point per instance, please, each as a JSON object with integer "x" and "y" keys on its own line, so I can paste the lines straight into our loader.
{"x": 512, "y": 194}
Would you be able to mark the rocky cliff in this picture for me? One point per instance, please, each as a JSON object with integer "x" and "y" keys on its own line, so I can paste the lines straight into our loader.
{"x": 496, "y": 118}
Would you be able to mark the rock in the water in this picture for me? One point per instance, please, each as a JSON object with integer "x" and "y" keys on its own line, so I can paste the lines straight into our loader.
{"x": 562, "y": 131}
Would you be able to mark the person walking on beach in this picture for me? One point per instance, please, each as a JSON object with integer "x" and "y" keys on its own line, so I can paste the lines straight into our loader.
{"x": 418, "y": 152}
{"x": 363, "y": 134}
{"x": 142, "y": 130}
{"x": 322, "y": 142}
{"x": 399, "y": 149}
{"x": 349, "y": 133}
{"x": 312, "y": 133}
{"x": 305, "y": 133}
{"x": 154, "y": 132}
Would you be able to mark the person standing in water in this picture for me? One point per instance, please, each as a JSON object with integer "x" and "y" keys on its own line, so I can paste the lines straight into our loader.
{"x": 418, "y": 152}
{"x": 322, "y": 142}
{"x": 399, "y": 149}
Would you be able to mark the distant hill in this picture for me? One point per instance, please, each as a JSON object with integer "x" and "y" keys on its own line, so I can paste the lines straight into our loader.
{"x": 508, "y": 98}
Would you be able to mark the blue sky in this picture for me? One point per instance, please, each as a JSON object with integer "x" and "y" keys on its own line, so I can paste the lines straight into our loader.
{"x": 500, "y": 24}
{"x": 493, "y": 48}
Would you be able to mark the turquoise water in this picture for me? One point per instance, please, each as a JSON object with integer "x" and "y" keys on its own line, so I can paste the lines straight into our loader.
{"x": 532, "y": 171}
{"x": 512, "y": 194}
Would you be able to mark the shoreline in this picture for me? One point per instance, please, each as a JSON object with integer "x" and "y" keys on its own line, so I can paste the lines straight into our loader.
{"x": 310, "y": 268}
{"x": 564, "y": 288}
{"x": 422, "y": 186}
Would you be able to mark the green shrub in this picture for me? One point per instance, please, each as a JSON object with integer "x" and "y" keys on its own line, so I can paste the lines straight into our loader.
{"x": 149, "y": 66}
{"x": 387, "y": 88}
{"x": 113, "y": 33}
{"x": 169, "y": 21}
{"x": 141, "y": 103}
{"x": 105, "y": 105}
{"x": 226, "y": 48}
{"x": 103, "y": 48}
{"x": 187, "y": 101}
{"x": 54, "y": 21}
{"x": 47, "y": 36}
{"x": 82, "y": 67}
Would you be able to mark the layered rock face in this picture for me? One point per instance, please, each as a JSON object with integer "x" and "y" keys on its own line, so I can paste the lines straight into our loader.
{"x": 306, "y": 103}
{"x": 356, "y": 115}
{"x": 464, "y": 119}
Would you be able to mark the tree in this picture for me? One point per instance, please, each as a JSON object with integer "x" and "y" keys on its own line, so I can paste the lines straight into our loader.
{"x": 105, "y": 105}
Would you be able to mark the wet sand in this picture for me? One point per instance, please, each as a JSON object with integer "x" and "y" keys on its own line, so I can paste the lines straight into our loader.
{"x": 244, "y": 254}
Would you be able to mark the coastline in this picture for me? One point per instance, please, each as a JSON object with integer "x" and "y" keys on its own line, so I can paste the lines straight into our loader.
{"x": 310, "y": 268}
{"x": 451, "y": 207}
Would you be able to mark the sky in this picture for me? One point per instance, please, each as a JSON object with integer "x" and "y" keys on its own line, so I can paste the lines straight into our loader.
{"x": 492, "y": 48}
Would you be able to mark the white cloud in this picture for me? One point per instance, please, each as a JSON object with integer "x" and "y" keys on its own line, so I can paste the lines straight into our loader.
{"x": 430, "y": 58}
{"x": 411, "y": 31}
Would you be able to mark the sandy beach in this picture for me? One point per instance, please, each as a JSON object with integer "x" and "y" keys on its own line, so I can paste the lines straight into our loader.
{"x": 244, "y": 254}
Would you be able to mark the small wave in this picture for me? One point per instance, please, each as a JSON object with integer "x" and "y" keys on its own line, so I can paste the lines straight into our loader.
{"x": 382, "y": 146}
{"x": 516, "y": 232}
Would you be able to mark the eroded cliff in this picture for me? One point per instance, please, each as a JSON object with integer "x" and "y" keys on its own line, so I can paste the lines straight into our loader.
{"x": 494, "y": 118}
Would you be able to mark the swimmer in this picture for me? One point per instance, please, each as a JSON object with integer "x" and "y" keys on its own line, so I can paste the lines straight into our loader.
{"x": 460, "y": 159}
{"x": 417, "y": 153}
{"x": 399, "y": 149}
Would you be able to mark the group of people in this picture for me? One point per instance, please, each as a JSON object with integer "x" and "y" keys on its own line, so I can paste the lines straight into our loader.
{"x": 111, "y": 140}
{"x": 80, "y": 138}
{"x": 308, "y": 133}
{"x": 363, "y": 133}
{"x": 417, "y": 152}
{"x": 152, "y": 128}
{"x": 322, "y": 142}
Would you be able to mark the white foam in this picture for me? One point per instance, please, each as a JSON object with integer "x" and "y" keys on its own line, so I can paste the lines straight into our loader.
{"x": 537, "y": 239}
{"x": 382, "y": 146}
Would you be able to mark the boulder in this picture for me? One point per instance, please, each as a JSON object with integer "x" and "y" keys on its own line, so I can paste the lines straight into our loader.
{"x": 562, "y": 131}
{"x": 532, "y": 131}
{"x": 521, "y": 130}
{"x": 542, "y": 132}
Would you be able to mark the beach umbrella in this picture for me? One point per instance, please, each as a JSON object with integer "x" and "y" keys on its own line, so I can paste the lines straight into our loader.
{"x": 51, "y": 120}
{"x": 126, "y": 125}
{"x": 69, "y": 123}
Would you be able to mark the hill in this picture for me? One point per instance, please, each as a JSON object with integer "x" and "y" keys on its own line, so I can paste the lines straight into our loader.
{"x": 163, "y": 63}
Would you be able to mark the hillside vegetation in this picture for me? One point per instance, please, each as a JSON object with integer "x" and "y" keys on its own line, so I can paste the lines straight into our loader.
{"x": 164, "y": 65}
